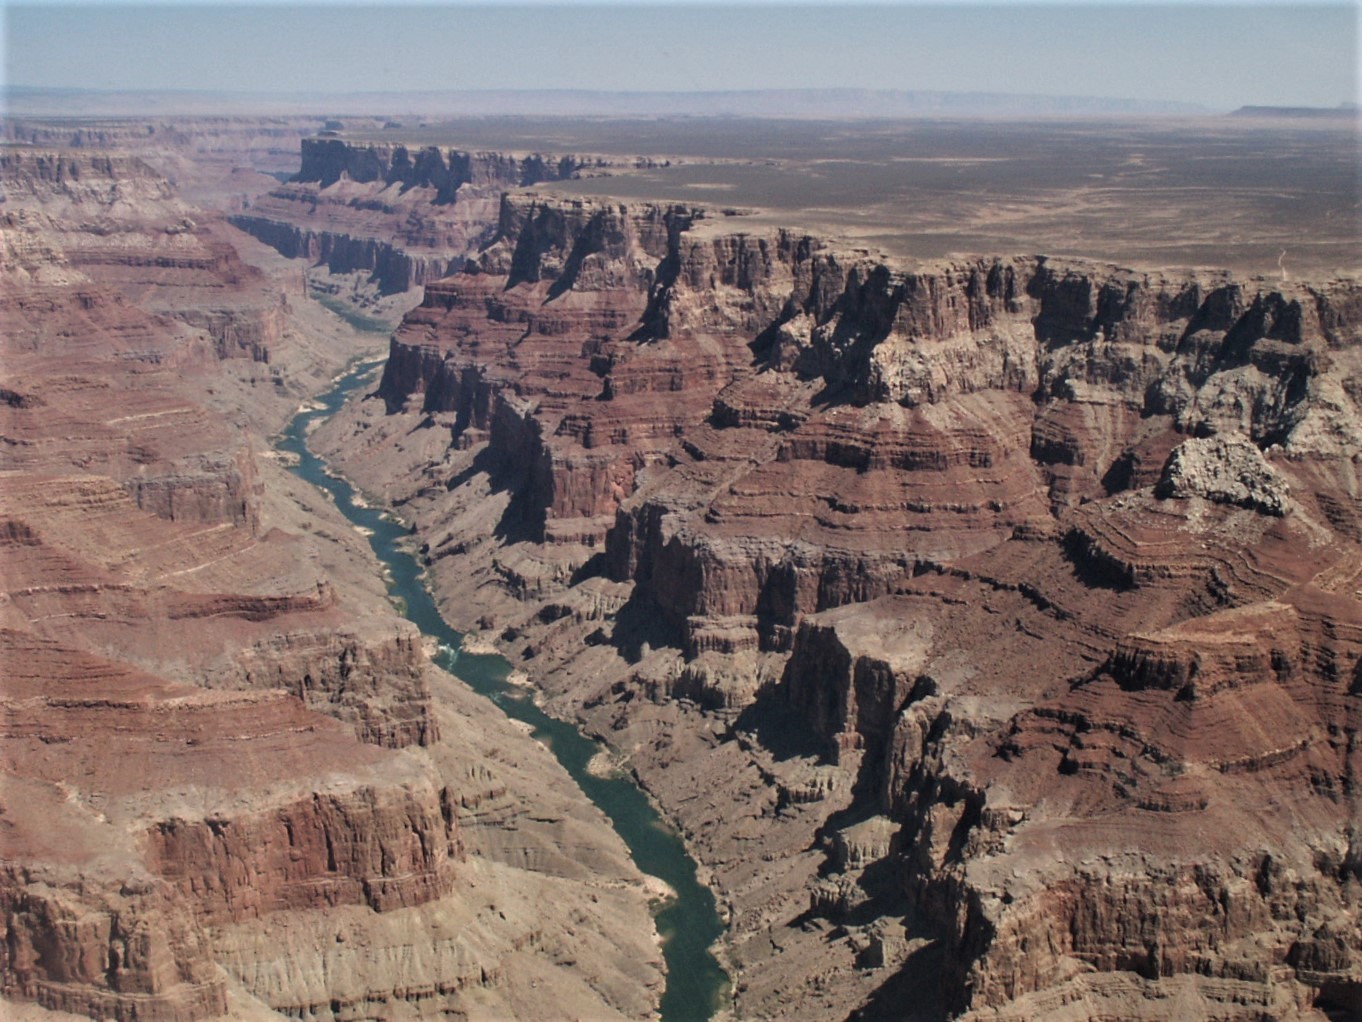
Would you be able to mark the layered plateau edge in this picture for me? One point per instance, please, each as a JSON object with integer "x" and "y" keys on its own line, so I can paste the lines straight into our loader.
{"x": 405, "y": 215}
{"x": 234, "y": 784}
{"x": 991, "y": 627}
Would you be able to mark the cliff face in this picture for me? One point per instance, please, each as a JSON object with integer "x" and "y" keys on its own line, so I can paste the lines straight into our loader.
{"x": 326, "y": 161}
{"x": 112, "y": 886}
{"x": 384, "y": 849}
{"x": 1055, "y": 564}
{"x": 392, "y": 269}
{"x": 221, "y": 756}
{"x": 96, "y": 180}
{"x": 406, "y": 215}
{"x": 132, "y": 956}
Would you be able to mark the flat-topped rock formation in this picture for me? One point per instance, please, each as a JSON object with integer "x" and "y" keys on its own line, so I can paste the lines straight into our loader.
{"x": 990, "y": 626}
{"x": 405, "y": 214}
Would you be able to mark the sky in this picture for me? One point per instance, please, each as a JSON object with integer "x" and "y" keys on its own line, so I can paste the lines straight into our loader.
{"x": 1219, "y": 54}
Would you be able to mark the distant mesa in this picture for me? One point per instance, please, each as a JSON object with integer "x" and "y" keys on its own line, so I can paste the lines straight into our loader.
{"x": 1342, "y": 112}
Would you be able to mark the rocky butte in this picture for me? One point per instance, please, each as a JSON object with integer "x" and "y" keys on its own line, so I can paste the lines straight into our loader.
{"x": 991, "y": 626}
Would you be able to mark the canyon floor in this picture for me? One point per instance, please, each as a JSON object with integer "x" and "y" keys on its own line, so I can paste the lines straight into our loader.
{"x": 956, "y": 527}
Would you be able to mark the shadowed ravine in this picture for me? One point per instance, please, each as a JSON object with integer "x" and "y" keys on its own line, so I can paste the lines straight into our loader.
{"x": 689, "y": 924}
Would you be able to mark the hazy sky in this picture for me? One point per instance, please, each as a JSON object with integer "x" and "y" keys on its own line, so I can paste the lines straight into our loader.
{"x": 1220, "y": 54}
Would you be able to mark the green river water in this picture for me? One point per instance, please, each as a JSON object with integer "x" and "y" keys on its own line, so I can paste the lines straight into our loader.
{"x": 689, "y": 924}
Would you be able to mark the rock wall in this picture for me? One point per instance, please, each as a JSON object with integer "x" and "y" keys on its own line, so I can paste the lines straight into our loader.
{"x": 386, "y": 849}
{"x": 408, "y": 215}
{"x": 236, "y": 334}
{"x": 328, "y": 160}
{"x": 392, "y": 268}
{"x": 374, "y": 683}
{"x": 131, "y": 955}
{"x": 1052, "y": 563}
{"x": 60, "y": 179}
{"x": 203, "y": 488}
{"x": 127, "y": 933}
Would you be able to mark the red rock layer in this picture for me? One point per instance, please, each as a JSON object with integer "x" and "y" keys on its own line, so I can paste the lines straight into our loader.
{"x": 406, "y": 214}
{"x": 111, "y": 752}
{"x": 139, "y": 810}
{"x": 1096, "y": 711}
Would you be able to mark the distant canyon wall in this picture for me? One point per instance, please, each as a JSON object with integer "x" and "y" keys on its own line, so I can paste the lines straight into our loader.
{"x": 1058, "y": 560}
{"x": 405, "y": 214}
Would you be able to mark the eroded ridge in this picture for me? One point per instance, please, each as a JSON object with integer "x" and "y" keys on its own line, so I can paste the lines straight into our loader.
{"x": 230, "y": 787}
{"x": 990, "y": 625}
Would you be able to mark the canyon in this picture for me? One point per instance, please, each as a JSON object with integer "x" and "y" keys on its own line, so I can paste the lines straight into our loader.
{"x": 235, "y": 785}
{"x": 989, "y": 624}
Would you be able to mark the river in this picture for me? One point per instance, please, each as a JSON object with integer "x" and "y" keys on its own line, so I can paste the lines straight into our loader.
{"x": 689, "y": 924}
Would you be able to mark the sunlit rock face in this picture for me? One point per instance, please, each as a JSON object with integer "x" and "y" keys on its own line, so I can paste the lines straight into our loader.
{"x": 1055, "y": 567}
{"x": 228, "y": 787}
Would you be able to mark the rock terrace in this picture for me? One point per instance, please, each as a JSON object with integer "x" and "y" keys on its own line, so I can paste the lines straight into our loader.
{"x": 1012, "y": 602}
{"x": 229, "y": 787}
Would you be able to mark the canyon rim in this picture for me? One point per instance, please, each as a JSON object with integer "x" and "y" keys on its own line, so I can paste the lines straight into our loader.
{"x": 952, "y": 524}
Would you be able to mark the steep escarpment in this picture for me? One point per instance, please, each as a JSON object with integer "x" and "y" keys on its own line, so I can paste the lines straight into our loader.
{"x": 405, "y": 215}
{"x": 229, "y": 785}
{"x": 327, "y": 160}
{"x": 1013, "y": 603}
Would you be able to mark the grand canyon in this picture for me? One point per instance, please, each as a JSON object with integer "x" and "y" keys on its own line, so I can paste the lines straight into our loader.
{"x": 954, "y": 526}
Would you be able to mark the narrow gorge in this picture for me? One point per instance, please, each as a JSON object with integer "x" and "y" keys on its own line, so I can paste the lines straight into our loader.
{"x": 687, "y": 921}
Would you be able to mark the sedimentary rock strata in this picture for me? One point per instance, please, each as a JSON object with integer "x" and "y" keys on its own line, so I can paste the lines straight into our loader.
{"x": 228, "y": 787}
{"x": 404, "y": 215}
{"x": 990, "y": 626}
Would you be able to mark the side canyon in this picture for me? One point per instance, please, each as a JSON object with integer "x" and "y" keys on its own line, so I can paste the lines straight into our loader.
{"x": 234, "y": 785}
{"x": 990, "y": 625}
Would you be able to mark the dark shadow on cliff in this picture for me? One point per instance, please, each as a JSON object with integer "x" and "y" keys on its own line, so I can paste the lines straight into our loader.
{"x": 832, "y": 395}
{"x": 460, "y": 478}
{"x": 1095, "y": 572}
{"x": 778, "y": 726}
{"x": 865, "y": 794}
{"x": 426, "y": 422}
{"x": 912, "y": 994}
{"x": 880, "y": 881}
{"x": 1121, "y": 475}
{"x": 640, "y": 625}
{"x": 524, "y": 517}
{"x": 881, "y": 898}
{"x": 523, "y": 520}
{"x": 587, "y": 243}
{"x": 595, "y": 566}
{"x": 1340, "y": 1001}
{"x": 763, "y": 346}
